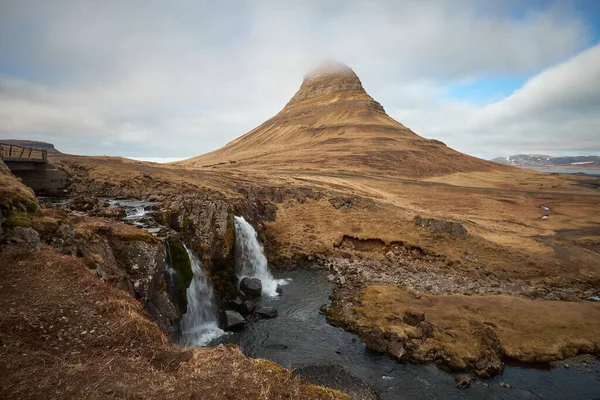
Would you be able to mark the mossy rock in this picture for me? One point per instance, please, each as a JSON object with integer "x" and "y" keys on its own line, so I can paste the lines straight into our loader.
{"x": 45, "y": 225}
{"x": 17, "y": 218}
{"x": 179, "y": 261}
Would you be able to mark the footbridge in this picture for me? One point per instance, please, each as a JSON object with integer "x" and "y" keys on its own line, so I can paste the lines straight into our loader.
{"x": 32, "y": 166}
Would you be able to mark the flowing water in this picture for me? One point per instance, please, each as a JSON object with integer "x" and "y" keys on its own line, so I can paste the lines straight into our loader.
{"x": 250, "y": 259}
{"x": 301, "y": 337}
{"x": 199, "y": 325}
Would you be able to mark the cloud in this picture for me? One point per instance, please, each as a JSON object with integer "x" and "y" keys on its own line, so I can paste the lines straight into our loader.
{"x": 151, "y": 79}
{"x": 557, "y": 111}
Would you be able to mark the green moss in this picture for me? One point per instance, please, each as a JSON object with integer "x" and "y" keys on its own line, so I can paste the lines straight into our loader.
{"x": 45, "y": 225}
{"x": 18, "y": 218}
{"x": 180, "y": 262}
{"x": 129, "y": 235}
{"x": 229, "y": 237}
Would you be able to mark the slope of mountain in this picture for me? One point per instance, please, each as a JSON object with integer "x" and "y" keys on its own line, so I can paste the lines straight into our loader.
{"x": 539, "y": 160}
{"x": 31, "y": 143}
{"x": 332, "y": 124}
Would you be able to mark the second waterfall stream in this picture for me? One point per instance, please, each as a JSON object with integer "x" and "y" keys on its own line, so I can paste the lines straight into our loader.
{"x": 199, "y": 325}
{"x": 250, "y": 259}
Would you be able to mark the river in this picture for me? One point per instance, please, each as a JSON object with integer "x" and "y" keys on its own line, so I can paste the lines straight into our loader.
{"x": 300, "y": 336}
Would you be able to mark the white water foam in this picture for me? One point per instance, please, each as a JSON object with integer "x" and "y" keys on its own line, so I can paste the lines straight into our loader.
{"x": 199, "y": 324}
{"x": 250, "y": 259}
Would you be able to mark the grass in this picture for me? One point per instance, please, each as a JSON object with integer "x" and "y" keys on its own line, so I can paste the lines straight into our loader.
{"x": 529, "y": 331}
{"x": 67, "y": 334}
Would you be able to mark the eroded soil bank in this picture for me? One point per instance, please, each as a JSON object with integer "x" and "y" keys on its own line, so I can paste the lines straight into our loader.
{"x": 421, "y": 312}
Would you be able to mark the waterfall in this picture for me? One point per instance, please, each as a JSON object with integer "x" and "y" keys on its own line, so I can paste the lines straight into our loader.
{"x": 199, "y": 325}
{"x": 250, "y": 259}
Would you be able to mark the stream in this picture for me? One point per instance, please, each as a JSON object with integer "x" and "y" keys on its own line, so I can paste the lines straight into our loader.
{"x": 300, "y": 337}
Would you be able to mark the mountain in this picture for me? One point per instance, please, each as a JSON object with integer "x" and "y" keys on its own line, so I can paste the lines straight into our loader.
{"x": 31, "y": 143}
{"x": 538, "y": 160}
{"x": 332, "y": 124}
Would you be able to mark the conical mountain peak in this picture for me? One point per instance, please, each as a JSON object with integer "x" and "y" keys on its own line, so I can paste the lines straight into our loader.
{"x": 332, "y": 84}
{"x": 330, "y": 69}
{"x": 332, "y": 124}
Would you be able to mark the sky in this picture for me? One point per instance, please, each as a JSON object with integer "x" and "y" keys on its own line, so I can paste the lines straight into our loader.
{"x": 160, "y": 80}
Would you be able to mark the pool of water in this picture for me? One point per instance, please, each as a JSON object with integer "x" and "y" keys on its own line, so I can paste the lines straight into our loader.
{"x": 569, "y": 170}
{"x": 300, "y": 336}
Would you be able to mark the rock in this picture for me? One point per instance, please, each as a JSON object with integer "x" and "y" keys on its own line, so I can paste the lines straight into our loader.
{"x": 462, "y": 381}
{"x": 235, "y": 304}
{"x": 504, "y": 385}
{"x": 267, "y": 312}
{"x": 231, "y": 320}
{"x": 342, "y": 280}
{"x": 162, "y": 311}
{"x": 456, "y": 229}
{"x": 427, "y": 330}
{"x": 331, "y": 277}
{"x": 413, "y": 317}
{"x": 85, "y": 203}
{"x": 26, "y": 236}
{"x": 489, "y": 367}
{"x": 375, "y": 341}
{"x": 253, "y": 317}
{"x": 396, "y": 350}
{"x": 248, "y": 307}
{"x": 279, "y": 290}
{"x": 252, "y": 287}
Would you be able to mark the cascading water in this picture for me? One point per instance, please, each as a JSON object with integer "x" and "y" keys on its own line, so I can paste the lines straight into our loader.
{"x": 136, "y": 212}
{"x": 250, "y": 259}
{"x": 199, "y": 325}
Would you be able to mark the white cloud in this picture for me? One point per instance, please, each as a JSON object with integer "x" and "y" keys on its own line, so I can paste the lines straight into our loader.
{"x": 156, "y": 79}
{"x": 557, "y": 111}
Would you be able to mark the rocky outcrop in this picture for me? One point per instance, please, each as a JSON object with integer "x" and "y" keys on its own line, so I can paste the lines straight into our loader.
{"x": 251, "y": 287}
{"x": 206, "y": 224}
{"x": 181, "y": 273}
{"x": 25, "y": 237}
{"x": 124, "y": 256}
{"x": 455, "y": 229}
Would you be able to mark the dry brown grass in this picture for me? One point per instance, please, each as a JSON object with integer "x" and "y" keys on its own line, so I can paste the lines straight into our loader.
{"x": 12, "y": 190}
{"x": 66, "y": 334}
{"x": 501, "y": 210}
{"x": 528, "y": 330}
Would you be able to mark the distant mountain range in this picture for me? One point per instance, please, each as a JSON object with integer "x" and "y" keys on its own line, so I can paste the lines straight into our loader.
{"x": 539, "y": 160}
{"x": 31, "y": 143}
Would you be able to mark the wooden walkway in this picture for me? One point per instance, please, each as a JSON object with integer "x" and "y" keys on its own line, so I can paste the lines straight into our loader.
{"x": 11, "y": 152}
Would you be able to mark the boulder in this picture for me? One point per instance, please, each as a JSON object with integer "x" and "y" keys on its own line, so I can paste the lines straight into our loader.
{"x": 462, "y": 381}
{"x": 248, "y": 307}
{"x": 455, "y": 229}
{"x": 396, "y": 350}
{"x": 85, "y": 203}
{"x": 413, "y": 317}
{"x": 252, "y": 287}
{"x": 426, "y": 330}
{"x": 375, "y": 341}
{"x": 279, "y": 290}
{"x": 236, "y": 304}
{"x": 489, "y": 366}
{"x": 267, "y": 312}
{"x": 25, "y": 236}
{"x": 231, "y": 320}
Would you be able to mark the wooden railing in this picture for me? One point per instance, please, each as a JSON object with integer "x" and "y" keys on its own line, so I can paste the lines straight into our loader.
{"x": 11, "y": 152}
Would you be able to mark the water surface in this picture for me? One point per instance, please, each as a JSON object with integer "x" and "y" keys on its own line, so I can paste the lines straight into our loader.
{"x": 300, "y": 336}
